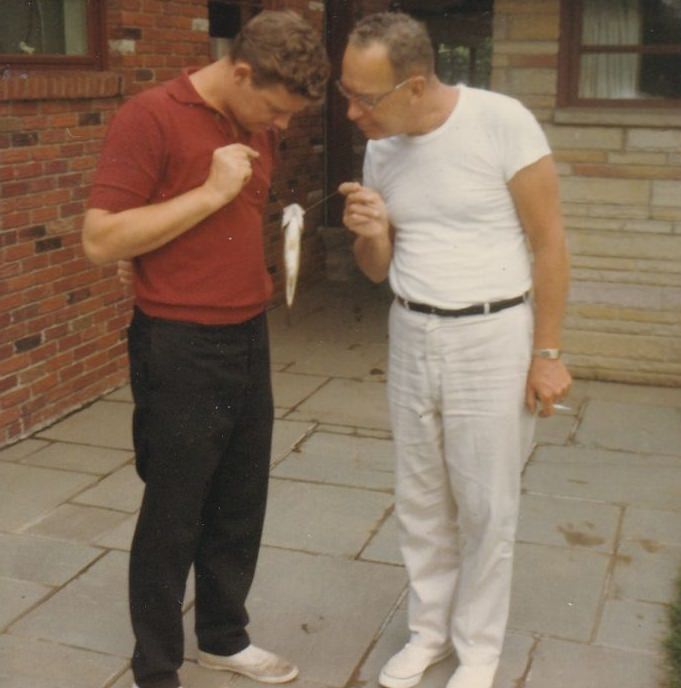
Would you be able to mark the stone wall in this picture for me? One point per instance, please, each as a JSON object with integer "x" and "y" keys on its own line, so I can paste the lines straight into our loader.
{"x": 620, "y": 184}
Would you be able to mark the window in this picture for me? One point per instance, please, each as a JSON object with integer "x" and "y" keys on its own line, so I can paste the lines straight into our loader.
{"x": 461, "y": 31}
{"x": 620, "y": 52}
{"x": 225, "y": 18}
{"x": 470, "y": 65}
{"x": 51, "y": 33}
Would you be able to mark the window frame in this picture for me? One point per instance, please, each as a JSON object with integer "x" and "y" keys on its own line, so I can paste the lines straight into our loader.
{"x": 571, "y": 51}
{"x": 95, "y": 59}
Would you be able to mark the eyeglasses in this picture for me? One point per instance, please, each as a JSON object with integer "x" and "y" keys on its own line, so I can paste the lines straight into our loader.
{"x": 365, "y": 101}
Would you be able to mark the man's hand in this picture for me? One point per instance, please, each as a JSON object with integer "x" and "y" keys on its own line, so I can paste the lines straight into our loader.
{"x": 548, "y": 381}
{"x": 125, "y": 272}
{"x": 365, "y": 213}
{"x": 230, "y": 171}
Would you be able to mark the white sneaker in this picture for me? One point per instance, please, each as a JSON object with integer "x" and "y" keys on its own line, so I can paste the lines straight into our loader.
{"x": 473, "y": 676}
{"x": 254, "y": 662}
{"x": 406, "y": 668}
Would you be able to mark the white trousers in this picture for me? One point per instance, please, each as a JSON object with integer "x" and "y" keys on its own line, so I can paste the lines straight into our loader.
{"x": 456, "y": 389}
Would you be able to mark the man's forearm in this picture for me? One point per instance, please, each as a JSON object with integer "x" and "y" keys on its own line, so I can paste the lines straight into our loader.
{"x": 551, "y": 284}
{"x": 115, "y": 236}
{"x": 109, "y": 237}
{"x": 373, "y": 256}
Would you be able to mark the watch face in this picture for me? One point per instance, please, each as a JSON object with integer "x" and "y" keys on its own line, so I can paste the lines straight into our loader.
{"x": 547, "y": 353}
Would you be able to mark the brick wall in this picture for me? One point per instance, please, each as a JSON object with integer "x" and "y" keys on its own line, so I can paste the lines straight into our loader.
{"x": 620, "y": 172}
{"x": 62, "y": 320}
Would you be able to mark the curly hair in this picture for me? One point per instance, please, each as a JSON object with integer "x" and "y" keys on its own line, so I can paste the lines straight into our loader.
{"x": 410, "y": 49}
{"x": 282, "y": 48}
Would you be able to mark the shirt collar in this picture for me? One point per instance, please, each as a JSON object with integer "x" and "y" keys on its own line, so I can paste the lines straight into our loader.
{"x": 183, "y": 91}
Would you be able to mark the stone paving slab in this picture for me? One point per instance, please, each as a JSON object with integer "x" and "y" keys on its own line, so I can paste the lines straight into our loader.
{"x": 18, "y": 596}
{"x": 321, "y": 611}
{"x": 78, "y": 457}
{"x": 121, "y": 394}
{"x": 353, "y": 360}
{"x": 556, "y": 591}
{"x": 43, "y": 560}
{"x": 121, "y": 490}
{"x": 631, "y": 427}
{"x": 597, "y": 474}
{"x": 558, "y": 521}
{"x": 652, "y": 527}
{"x": 103, "y": 424}
{"x": 341, "y": 460}
{"x": 302, "y": 516}
{"x": 356, "y": 432}
{"x": 18, "y": 451}
{"x": 29, "y": 492}
{"x": 561, "y": 664}
{"x": 289, "y": 390}
{"x": 556, "y": 429}
{"x": 347, "y": 402}
{"x": 383, "y": 545}
{"x": 646, "y": 572}
{"x": 286, "y": 435}
{"x": 77, "y": 523}
{"x": 634, "y": 626}
{"x": 91, "y": 612}
{"x": 38, "y": 664}
{"x": 119, "y": 537}
{"x": 624, "y": 393}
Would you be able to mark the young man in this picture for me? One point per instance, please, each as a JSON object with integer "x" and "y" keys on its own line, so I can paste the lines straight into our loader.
{"x": 455, "y": 180}
{"x": 181, "y": 188}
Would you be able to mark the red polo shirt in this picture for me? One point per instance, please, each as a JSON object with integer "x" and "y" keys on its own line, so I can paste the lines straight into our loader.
{"x": 160, "y": 145}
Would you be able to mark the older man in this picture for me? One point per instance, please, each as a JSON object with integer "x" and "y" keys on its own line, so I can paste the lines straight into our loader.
{"x": 456, "y": 180}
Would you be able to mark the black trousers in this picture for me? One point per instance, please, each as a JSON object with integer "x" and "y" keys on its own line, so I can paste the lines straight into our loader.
{"x": 202, "y": 430}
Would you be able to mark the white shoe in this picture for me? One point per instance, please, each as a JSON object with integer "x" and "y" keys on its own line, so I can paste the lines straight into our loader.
{"x": 406, "y": 668}
{"x": 473, "y": 676}
{"x": 254, "y": 662}
{"x": 134, "y": 685}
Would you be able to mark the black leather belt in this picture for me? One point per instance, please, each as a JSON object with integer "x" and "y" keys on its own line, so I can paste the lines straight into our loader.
{"x": 476, "y": 309}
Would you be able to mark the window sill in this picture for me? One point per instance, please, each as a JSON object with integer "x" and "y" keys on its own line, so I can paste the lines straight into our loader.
{"x": 55, "y": 85}
{"x": 644, "y": 117}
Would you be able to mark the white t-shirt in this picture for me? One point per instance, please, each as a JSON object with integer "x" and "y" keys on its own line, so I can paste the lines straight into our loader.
{"x": 458, "y": 238}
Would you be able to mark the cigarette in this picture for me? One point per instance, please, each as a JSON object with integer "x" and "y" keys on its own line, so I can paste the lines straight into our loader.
{"x": 562, "y": 407}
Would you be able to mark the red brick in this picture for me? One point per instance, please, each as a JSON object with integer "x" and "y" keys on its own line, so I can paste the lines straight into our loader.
{"x": 14, "y": 363}
{"x": 7, "y": 383}
{"x": 45, "y": 153}
{"x": 14, "y": 189}
{"x": 56, "y": 166}
{"x": 15, "y": 155}
{"x": 43, "y": 214}
{"x": 16, "y": 219}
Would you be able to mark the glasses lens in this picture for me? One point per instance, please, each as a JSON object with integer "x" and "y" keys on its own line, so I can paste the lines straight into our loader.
{"x": 363, "y": 101}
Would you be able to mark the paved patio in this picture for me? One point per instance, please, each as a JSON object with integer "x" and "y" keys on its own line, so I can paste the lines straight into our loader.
{"x": 599, "y": 538}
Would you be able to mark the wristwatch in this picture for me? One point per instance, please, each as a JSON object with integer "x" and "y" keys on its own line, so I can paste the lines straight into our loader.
{"x": 552, "y": 354}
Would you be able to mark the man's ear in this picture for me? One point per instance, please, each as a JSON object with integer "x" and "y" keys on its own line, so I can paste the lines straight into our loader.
{"x": 242, "y": 71}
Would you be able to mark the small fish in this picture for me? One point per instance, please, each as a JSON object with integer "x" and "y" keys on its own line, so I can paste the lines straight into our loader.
{"x": 292, "y": 224}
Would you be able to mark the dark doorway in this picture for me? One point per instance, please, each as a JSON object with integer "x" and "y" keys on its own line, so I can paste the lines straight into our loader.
{"x": 340, "y": 160}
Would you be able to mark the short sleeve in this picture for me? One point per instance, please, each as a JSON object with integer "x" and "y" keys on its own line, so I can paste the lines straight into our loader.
{"x": 523, "y": 141}
{"x": 131, "y": 162}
